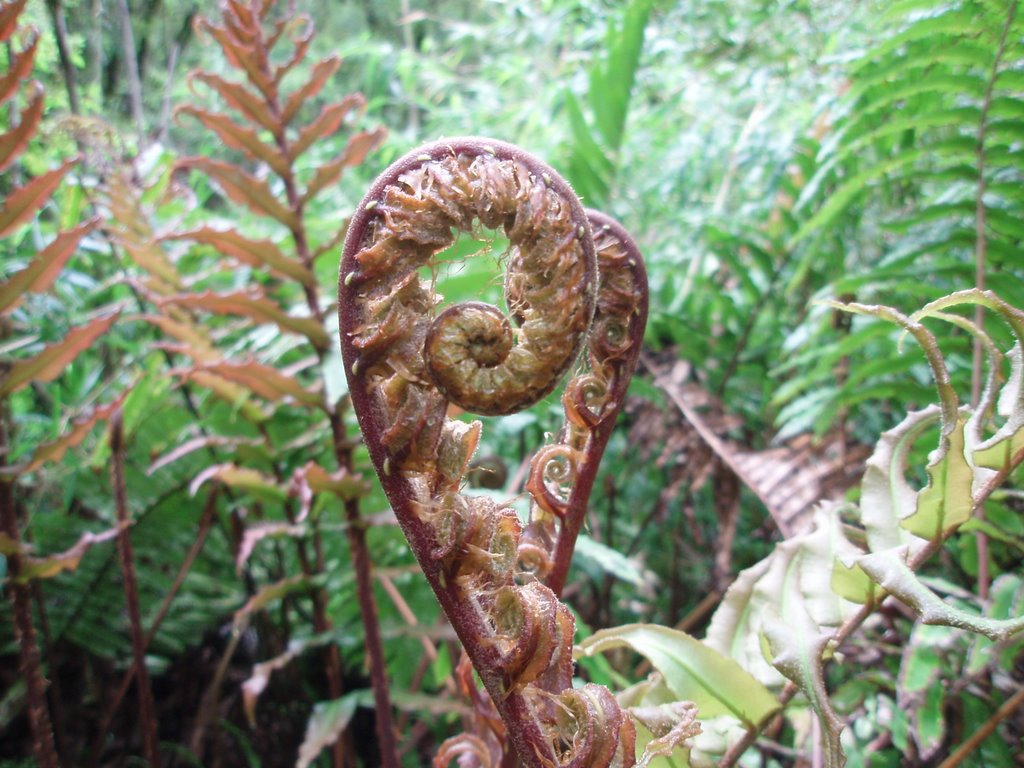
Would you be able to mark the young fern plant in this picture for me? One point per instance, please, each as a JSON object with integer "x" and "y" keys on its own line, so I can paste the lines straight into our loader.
{"x": 409, "y": 362}
{"x": 32, "y": 364}
{"x": 304, "y": 463}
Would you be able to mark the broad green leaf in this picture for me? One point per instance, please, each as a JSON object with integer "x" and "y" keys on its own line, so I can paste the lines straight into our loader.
{"x": 886, "y": 496}
{"x": 328, "y": 720}
{"x": 587, "y": 154}
{"x": 611, "y": 82}
{"x": 946, "y": 501}
{"x": 923, "y": 657}
{"x": 1006, "y": 600}
{"x": 1007, "y": 444}
{"x": 677, "y": 758}
{"x": 930, "y": 721}
{"x": 890, "y": 570}
{"x": 851, "y": 583}
{"x": 671, "y": 726}
{"x": 692, "y": 670}
{"x": 609, "y": 561}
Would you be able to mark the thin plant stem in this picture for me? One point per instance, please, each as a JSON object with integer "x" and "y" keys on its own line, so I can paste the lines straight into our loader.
{"x": 205, "y": 523}
{"x": 356, "y": 528}
{"x": 43, "y": 748}
{"x": 974, "y": 741}
{"x": 55, "y": 697}
{"x": 980, "y": 265}
{"x": 147, "y": 720}
{"x": 60, "y": 35}
{"x": 132, "y": 68}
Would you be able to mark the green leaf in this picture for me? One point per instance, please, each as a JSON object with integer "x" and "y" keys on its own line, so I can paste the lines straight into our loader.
{"x": 593, "y": 168}
{"x": 886, "y": 496}
{"x": 609, "y": 561}
{"x": 851, "y": 583}
{"x": 946, "y": 502}
{"x": 692, "y": 670}
{"x": 612, "y": 83}
{"x": 1006, "y": 600}
{"x": 328, "y": 720}
{"x": 930, "y": 721}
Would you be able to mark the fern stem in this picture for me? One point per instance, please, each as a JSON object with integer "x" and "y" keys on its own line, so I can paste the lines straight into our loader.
{"x": 980, "y": 218}
{"x": 974, "y": 741}
{"x": 356, "y": 528}
{"x": 147, "y": 721}
{"x": 205, "y": 523}
{"x": 24, "y": 631}
{"x": 980, "y": 260}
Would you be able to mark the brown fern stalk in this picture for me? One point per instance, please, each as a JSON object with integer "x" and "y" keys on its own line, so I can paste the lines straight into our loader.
{"x": 247, "y": 45}
{"x": 593, "y": 400}
{"x": 205, "y": 523}
{"x": 41, "y": 728}
{"x": 981, "y": 265}
{"x": 19, "y": 205}
{"x": 407, "y": 360}
{"x": 147, "y": 721}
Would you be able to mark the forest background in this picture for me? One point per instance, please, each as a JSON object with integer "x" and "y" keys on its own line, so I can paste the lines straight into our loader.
{"x": 183, "y": 481}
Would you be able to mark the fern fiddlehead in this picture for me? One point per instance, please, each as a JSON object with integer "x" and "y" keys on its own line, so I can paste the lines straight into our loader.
{"x": 406, "y": 363}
